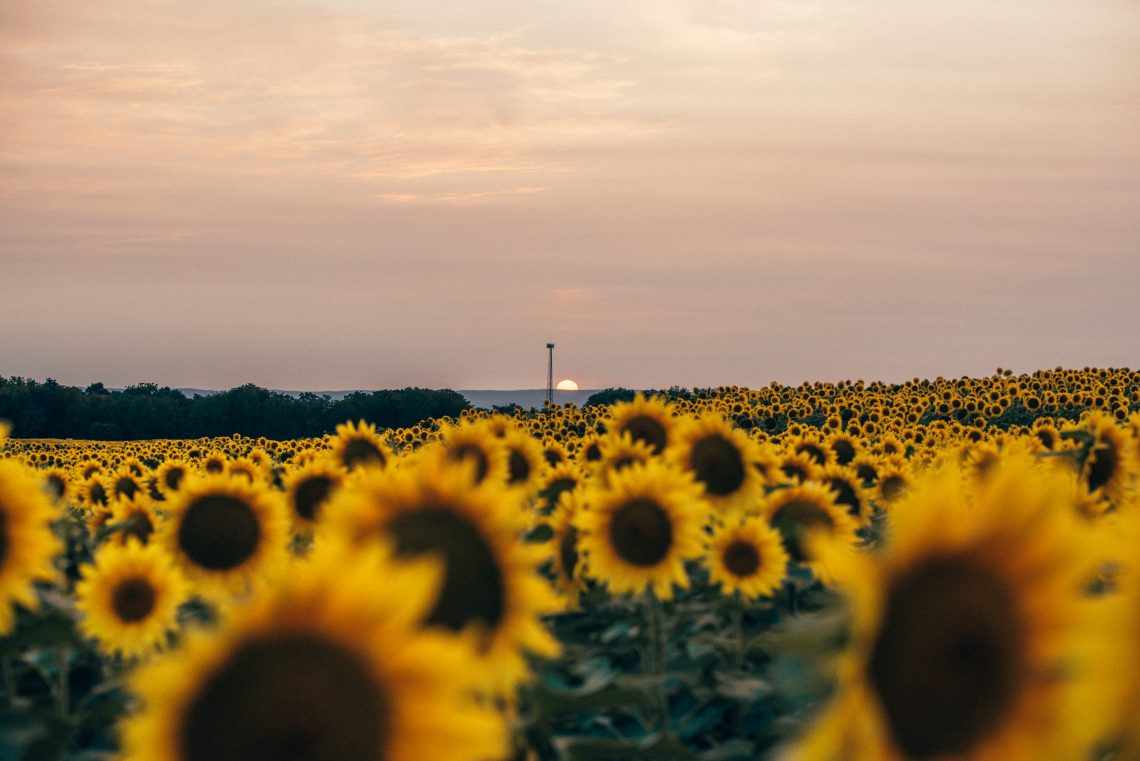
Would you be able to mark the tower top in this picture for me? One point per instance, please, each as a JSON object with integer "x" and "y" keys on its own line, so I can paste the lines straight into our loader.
{"x": 550, "y": 346}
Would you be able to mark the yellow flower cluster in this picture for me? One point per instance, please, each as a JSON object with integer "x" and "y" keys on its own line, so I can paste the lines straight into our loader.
{"x": 382, "y": 593}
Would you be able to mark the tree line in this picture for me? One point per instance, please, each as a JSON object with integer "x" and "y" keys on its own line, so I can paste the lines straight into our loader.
{"x": 147, "y": 411}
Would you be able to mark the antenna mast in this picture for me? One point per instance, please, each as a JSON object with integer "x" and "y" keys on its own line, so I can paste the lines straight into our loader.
{"x": 549, "y": 374}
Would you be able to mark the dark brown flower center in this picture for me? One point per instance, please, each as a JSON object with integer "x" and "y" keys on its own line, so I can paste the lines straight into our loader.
{"x": 795, "y": 521}
{"x": 173, "y": 478}
{"x": 648, "y": 429}
{"x": 641, "y": 532}
{"x": 472, "y": 588}
{"x": 297, "y": 697}
{"x": 361, "y": 451}
{"x": 56, "y": 485}
{"x": 311, "y": 494}
{"x": 219, "y": 532}
{"x": 139, "y": 525}
{"x": 844, "y": 451}
{"x": 948, "y": 660}
{"x": 133, "y": 600}
{"x": 474, "y": 453}
{"x": 1104, "y": 465}
{"x": 125, "y": 487}
{"x": 741, "y": 558}
{"x": 845, "y": 494}
{"x": 717, "y": 464}
{"x": 568, "y": 551}
{"x": 519, "y": 467}
{"x": 892, "y": 487}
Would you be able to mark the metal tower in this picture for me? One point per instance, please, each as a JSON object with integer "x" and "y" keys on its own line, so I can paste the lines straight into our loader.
{"x": 549, "y": 374}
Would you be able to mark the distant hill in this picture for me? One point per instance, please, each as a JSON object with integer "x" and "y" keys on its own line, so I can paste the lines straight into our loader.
{"x": 526, "y": 398}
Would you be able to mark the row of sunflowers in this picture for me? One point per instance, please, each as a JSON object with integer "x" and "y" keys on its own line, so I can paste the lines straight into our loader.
{"x": 936, "y": 569}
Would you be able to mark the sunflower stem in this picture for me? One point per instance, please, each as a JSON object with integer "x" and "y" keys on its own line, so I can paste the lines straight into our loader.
{"x": 9, "y": 680}
{"x": 738, "y": 630}
{"x": 63, "y": 695}
{"x": 657, "y": 658}
{"x": 790, "y": 587}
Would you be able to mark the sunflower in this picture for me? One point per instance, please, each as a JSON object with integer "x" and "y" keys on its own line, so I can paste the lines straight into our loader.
{"x": 555, "y": 482}
{"x": 357, "y": 445}
{"x": 491, "y": 587}
{"x": 747, "y": 556}
{"x": 225, "y": 533}
{"x": 849, "y": 491}
{"x": 969, "y": 636}
{"x": 309, "y": 488}
{"x": 618, "y": 452}
{"x": 646, "y": 420}
{"x": 92, "y": 493}
{"x": 331, "y": 665}
{"x": 718, "y": 457}
{"x": 524, "y": 459}
{"x": 641, "y": 527}
{"x": 129, "y": 598}
{"x": 1106, "y": 469}
{"x": 27, "y": 543}
{"x": 804, "y": 512}
{"x": 124, "y": 483}
{"x": 567, "y": 568}
{"x": 170, "y": 475}
{"x": 478, "y": 443}
{"x": 134, "y": 518}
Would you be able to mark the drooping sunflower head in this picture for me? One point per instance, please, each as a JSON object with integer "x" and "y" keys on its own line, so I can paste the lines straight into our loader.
{"x": 129, "y": 598}
{"x": 719, "y": 458}
{"x": 27, "y": 541}
{"x": 491, "y": 588}
{"x": 564, "y": 545}
{"x": 747, "y": 556}
{"x": 648, "y": 420}
{"x": 640, "y": 527}
{"x": 357, "y": 445}
{"x": 226, "y": 534}
{"x": 329, "y": 665}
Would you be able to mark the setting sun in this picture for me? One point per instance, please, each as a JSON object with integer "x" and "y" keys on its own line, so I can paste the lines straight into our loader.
{"x": 567, "y": 385}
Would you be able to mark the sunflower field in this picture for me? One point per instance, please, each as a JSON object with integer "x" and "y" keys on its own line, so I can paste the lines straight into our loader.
{"x": 945, "y": 569}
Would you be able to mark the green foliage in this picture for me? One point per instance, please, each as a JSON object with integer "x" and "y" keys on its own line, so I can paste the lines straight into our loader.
{"x": 147, "y": 411}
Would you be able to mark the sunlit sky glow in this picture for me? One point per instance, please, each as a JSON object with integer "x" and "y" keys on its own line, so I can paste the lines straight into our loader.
{"x": 330, "y": 195}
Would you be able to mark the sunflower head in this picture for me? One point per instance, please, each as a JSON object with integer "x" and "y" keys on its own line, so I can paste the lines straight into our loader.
{"x": 28, "y": 544}
{"x": 226, "y": 533}
{"x": 640, "y": 527}
{"x": 970, "y": 633}
{"x": 490, "y": 588}
{"x": 329, "y": 664}
{"x": 129, "y": 598}
{"x": 720, "y": 459}
{"x": 747, "y": 556}
{"x": 357, "y": 445}
{"x": 646, "y": 420}
{"x": 805, "y": 513}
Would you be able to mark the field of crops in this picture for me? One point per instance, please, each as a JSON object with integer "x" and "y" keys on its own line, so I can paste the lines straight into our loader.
{"x": 937, "y": 569}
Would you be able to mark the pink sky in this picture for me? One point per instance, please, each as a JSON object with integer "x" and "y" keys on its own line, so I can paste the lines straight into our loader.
{"x": 356, "y": 194}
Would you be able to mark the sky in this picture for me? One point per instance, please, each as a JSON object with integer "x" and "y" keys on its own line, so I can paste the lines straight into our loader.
{"x": 363, "y": 194}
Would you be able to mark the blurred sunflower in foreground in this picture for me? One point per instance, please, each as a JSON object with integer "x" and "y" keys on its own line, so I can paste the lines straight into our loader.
{"x": 970, "y": 637}
{"x": 27, "y": 543}
{"x": 331, "y": 665}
